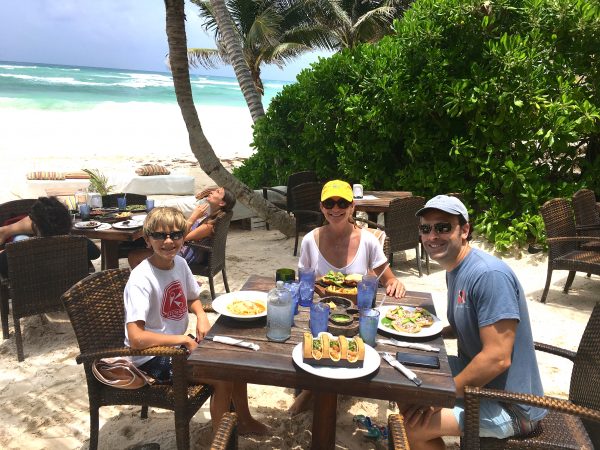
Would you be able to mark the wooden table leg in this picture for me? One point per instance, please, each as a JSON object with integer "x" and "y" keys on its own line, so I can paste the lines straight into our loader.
{"x": 324, "y": 421}
{"x": 110, "y": 254}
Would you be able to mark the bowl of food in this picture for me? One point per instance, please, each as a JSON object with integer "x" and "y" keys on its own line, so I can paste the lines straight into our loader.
{"x": 337, "y": 302}
{"x": 341, "y": 318}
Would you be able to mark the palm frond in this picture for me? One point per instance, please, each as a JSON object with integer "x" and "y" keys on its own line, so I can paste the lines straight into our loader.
{"x": 209, "y": 58}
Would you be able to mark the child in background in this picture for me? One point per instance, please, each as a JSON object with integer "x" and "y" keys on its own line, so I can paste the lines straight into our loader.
{"x": 158, "y": 295}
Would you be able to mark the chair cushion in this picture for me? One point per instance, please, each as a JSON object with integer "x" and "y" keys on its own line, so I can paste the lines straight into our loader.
{"x": 45, "y": 175}
{"x": 152, "y": 169}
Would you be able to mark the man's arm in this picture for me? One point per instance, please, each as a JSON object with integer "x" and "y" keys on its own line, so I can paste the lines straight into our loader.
{"x": 494, "y": 358}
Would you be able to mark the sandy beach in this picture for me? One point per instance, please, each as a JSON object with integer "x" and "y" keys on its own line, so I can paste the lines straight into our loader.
{"x": 45, "y": 397}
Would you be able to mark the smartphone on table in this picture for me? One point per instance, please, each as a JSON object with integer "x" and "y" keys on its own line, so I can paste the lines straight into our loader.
{"x": 414, "y": 359}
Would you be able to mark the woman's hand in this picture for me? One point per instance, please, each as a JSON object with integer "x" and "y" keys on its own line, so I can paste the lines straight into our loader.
{"x": 198, "y": 212}
{"x": 395, "y": 288}
{"x": 418, "y": 414}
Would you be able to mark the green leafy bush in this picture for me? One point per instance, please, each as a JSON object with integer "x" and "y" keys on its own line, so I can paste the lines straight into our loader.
{"x": 497, "y": 100}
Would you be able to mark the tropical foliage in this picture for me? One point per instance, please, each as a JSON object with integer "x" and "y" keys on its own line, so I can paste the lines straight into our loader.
{"x": 497, "y": 100}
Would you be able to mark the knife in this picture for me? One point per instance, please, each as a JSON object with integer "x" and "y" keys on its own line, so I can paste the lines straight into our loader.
{"x": 398, "y": 365}
{"x": 415, "y": 345}
{"x": 232, "y": 341}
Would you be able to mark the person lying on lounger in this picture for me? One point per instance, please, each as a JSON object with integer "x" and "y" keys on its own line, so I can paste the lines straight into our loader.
{"x": 200, "y": 224}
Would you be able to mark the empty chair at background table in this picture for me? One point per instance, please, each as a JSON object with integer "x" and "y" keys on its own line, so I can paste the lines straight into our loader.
{"x": 587, "y": 218}
{"x": 307, "y": 211}
{"x": 293, "y": 180}
{"x": 564, "y": 251}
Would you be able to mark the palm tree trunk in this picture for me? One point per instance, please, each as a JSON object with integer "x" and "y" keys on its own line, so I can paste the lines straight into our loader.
{"x": 200, "y": 146}
{"x": 236, "y": 56}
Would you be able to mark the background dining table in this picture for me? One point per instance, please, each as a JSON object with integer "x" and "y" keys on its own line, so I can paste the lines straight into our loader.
{"x": 109, "y": 242}
{"x": 376, "y": 202}
{"x": 273, "y": 365}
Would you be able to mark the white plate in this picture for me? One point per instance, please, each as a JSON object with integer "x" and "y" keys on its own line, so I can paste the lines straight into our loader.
{"x": 127, "y": 224}
{"x": 139, "y": 217}
{"x": 372, "y": 362}
{"x": 104, "y": 226}
{"x": 434, "y": 329}
{"x": 87, "y": 224}
{"x": 220, "y": 303}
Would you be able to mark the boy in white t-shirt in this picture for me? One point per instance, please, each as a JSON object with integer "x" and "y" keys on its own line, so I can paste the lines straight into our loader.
{"x": 158, "y": 295}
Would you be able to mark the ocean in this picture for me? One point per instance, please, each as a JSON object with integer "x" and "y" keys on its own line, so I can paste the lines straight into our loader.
{"x": 68, "y": 88}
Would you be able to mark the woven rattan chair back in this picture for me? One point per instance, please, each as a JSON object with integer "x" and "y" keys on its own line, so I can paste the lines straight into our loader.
{"x": 110, "y": 200}
{"x": 561, "y": 428}
{"x": 307, "y": 212}
{"x": 40, "y": 270}
{"x": 586, "y": 212}
{"x": 10, "y": 210}
{"x": 15, "y": 208}
{"x": 559, "y": 222}
{"x": 216, "y": 253}
{"x": 585, "y": 377}
{"x": 294, "y": 180}
{"x": 402, "y": 227}
{"x": 397, "y": 439}
{"x": 96, "y": 309}
{"x": 226, "y": 437}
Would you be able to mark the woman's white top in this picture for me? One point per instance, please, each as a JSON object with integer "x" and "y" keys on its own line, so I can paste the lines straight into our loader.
{"x": 368, "y": 256}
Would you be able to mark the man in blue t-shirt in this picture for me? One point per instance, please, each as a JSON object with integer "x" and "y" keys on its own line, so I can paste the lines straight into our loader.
{"x": 488, "y": 315}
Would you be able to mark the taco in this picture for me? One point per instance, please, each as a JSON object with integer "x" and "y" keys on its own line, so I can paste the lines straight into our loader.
{"x": 343, "y": 346}
{"x": 333, "y": 278}
{"x": 335, "y": 349}
{"x": 405, "y": 325}
{"x": 313, "y": 347}
{"x": 352, "y": 279}
{"x": 356, "y": 349}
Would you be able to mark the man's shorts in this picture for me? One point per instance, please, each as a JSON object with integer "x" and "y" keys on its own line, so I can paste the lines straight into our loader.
{"x": 495, "y": 420}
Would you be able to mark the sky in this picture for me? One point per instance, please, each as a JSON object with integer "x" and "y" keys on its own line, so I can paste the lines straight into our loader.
{"x": 123, "y": 34}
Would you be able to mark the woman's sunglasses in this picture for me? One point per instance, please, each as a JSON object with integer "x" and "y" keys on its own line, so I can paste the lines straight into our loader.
{"x": 440, "y": 228}
{"x": 330, "y": 203}
{"x": 161, "y": 236}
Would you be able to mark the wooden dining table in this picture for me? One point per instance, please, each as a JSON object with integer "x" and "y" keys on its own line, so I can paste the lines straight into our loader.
{"x": 109, "y": 242}
{"x": 376, "y": 202}
{"x": 273, "y": 365}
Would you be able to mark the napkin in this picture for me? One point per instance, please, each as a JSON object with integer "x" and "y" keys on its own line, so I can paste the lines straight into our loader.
{"x": 233, "y": 341}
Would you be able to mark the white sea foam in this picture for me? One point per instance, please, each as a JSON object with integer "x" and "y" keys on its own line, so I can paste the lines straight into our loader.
{"x": 50, "y": 80}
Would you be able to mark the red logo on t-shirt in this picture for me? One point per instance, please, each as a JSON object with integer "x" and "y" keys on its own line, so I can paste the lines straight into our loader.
{"x": 174, "y": 303}
{"x": 462, "y": 297}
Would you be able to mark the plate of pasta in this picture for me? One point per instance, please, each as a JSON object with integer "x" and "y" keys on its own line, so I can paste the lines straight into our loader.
{"x": 242, "y": 305}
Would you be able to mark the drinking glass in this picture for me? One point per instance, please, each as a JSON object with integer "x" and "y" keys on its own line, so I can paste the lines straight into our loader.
{"x": 122, "y": 203}
{"x": 319, "y": 317}
{"x": 306, "y": 276}
{"x": 84, "y": 211}
{"x": 149, "y": 205}
{"x": 285, "y": 275}
{"x": 294, "y": 288}
{"x": 368, "y": 322}
{"x": 365, "y": 294}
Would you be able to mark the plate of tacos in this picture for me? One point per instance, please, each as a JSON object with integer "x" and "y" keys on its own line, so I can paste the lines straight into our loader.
{"x": 409, "y": 321}
{"x": 370, "y": 363}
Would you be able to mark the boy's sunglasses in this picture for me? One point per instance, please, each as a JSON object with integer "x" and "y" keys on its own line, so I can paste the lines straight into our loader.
{"x": 330, "y": 203}
{"x": 161, "y": 236}
{"x": 440, "y": 228}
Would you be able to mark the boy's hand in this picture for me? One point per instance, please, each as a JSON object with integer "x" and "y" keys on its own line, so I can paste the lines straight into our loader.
{"x": 202, "y": 327}
{"x": 189, "y": 343}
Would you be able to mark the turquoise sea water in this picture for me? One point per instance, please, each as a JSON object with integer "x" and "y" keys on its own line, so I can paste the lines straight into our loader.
{"x": 56, "y": 87}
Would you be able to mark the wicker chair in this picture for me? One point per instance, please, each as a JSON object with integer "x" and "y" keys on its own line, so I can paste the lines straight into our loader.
{"x": 402, "y": 228}
{"x": 110, "y": 200}
{"x": 9, "y": 210}
{"x": 307, "y": 212}
{"x": 95, "y": 307}
{"x": 563, "y": 243}
{"x": 293, "y": 180}
{"x": 397, "y": 439}
{"x": 570, "y": 424}
{"x": 216, "y": 253}
{"x": 587, "y": 219}
{"x": 40, "y": 270}
{"x": 226, "y": 437}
